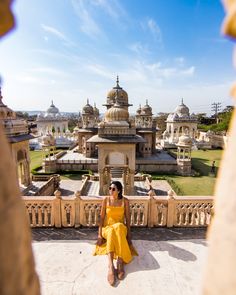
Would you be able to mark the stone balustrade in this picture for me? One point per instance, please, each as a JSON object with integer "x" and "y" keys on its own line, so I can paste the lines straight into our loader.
{"x": 151, "y": 211}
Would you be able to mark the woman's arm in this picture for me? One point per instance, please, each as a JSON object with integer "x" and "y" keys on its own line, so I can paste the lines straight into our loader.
{"x": 102, "y": 218}
{"x": 127, "y": 220}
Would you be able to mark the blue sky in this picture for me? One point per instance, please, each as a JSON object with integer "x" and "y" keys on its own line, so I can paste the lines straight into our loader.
{"x": 71, "y": 50}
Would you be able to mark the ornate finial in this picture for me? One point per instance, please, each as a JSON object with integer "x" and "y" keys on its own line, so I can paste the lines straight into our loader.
{"x": 117, "y": 95}
{"x": 146, "y": 101}
{"x": 95, "y": 104}
{"x": 117, "y": 81}
{"x": 87, "y": 101}
{"x": 52, "y": 103}
{"x": 140, "y": 105}
{"x": 182, "y": 101}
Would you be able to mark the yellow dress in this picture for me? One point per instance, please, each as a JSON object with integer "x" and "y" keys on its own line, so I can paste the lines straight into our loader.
{"x": 114, "y": 232}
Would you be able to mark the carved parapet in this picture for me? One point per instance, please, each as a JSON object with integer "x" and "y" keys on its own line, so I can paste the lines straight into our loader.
{"x": 68, "y": 211}
{"x": 139, "y": 211}
{"x": 40, "y": 211}
{"x": 193, "y": 213}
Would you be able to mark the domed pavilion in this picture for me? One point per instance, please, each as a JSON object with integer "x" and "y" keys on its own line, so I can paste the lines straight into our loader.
{"x": 178, "y": 123}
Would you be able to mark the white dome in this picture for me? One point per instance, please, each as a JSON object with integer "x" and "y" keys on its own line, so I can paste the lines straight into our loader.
{"x": 185, "y": 140}
{"x": 52, "y": 109}
{"x": 182, "y": 110}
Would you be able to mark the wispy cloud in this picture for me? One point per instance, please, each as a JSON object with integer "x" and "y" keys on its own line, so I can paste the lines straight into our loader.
{"x": 99, "y": 70}
{"x": 154, "y": 29}
{"x": 48, "y": 71}
{"x": 54, "y": 31}
{"x": 87, "y": 23}
{"x": 139, "y": 48}
{"x": 112, "y": 7}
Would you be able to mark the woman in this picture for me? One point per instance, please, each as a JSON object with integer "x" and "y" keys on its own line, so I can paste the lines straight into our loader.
{"x": 114, "y": 237}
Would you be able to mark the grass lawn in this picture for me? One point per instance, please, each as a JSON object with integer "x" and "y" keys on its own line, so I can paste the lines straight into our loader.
{"x": 36, "y": 158}
{"x": 202, "y": 185}
{"x": 72, "y": 176}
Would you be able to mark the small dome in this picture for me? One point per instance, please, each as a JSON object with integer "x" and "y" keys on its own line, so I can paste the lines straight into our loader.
{"x": 52, "y": 109}
{"x": 146, "y": 110}
{"x": 182, "y": 110}
{"x": 87, "y": 109}
{"x": 116, "y": 113}
{"x": 96, "y": 110}
{"x": 139, "y": 110}
{"x": 122, "y": 96}
{"x": 185, "y": 140}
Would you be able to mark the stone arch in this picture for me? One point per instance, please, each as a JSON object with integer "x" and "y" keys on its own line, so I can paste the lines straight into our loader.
{"x": 117, "y": 158}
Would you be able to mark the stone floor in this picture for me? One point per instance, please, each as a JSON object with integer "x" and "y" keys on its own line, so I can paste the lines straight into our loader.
{"x": 33, "y": 188}
{"x": 170, "y": 262}
{"x": 69, "y": 187}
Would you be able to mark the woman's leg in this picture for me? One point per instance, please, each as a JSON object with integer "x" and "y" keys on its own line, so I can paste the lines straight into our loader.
{"x": 120, "y": 268}
{"x": 111, "y": 271}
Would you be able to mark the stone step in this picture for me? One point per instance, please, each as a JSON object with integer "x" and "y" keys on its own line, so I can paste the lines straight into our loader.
{"x": 116, "y": 172}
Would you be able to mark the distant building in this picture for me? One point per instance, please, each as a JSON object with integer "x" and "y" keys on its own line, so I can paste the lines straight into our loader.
{"x": 178, "y": 123}
{"x": 51, "y": 121}
{"x": 18, "y": 136}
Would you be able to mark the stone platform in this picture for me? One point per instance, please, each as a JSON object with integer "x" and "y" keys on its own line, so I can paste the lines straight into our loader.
{"x": 170, "y": 262}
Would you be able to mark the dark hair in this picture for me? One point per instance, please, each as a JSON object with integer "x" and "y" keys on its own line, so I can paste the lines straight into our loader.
{"x": 119, "y": 188}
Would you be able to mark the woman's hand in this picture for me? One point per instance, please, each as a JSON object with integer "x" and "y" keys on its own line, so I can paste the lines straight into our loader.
{"x": 100, "y": 241}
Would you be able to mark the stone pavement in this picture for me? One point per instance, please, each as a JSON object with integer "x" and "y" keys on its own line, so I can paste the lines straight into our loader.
{"x": 170, "y": 262}
{"x": 69, "y": 187}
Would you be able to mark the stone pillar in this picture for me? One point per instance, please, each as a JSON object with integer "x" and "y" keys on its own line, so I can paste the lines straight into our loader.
{"x": 77, "y": 209}
{"x": 57, "y": 208}
{"x": 171, "y": 209}
{"x": 17, "y": 267}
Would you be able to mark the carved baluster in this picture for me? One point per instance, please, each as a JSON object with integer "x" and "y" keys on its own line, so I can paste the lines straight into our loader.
{"x": 89, "y": 216}
{"x": 143, "y": 215}
{"x": 96, "y": 215}
{"x": 40, "y": 215}
{"x": 138, "y": 215}
{"x": 181, "y": 214}
{"x": 132, "y": 215}
{"x": 201, "y": 214}
{"x": 187, "y": 214}
{"x": 49, "y": 215}
{"x": 33, "y": 215}
{"x": 178, "y": 214}
{"x": 43, "y": 214}
{"x": 29, "y": 209}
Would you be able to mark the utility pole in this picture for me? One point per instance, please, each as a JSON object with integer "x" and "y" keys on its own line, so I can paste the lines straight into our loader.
{"x": 216, "y": 106}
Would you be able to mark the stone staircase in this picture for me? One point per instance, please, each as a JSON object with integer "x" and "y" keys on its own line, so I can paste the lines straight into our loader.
{"x": 116, "y": 172}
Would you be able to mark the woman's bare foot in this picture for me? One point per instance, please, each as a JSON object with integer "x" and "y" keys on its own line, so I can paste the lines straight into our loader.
{"x": 120, "y": 269}
{"x": 111, "y": 275}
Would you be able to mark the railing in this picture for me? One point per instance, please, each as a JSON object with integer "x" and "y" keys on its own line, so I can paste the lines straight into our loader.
{"x": 151, "y": 211}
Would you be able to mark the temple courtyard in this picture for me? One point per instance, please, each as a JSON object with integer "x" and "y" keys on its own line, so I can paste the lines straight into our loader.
{"x": 170, "y": 262}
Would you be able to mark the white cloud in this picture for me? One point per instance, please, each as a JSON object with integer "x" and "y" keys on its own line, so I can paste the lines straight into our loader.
{"x": 87, "y": 24}
{"x": 138, "y": 48}
{"x": 111, "y": 7}
{"x": 99, "y": 70}
{"x": 54, "y": 31}
{"x": 48, "y": 70}
{"x": 154, "y": 29}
